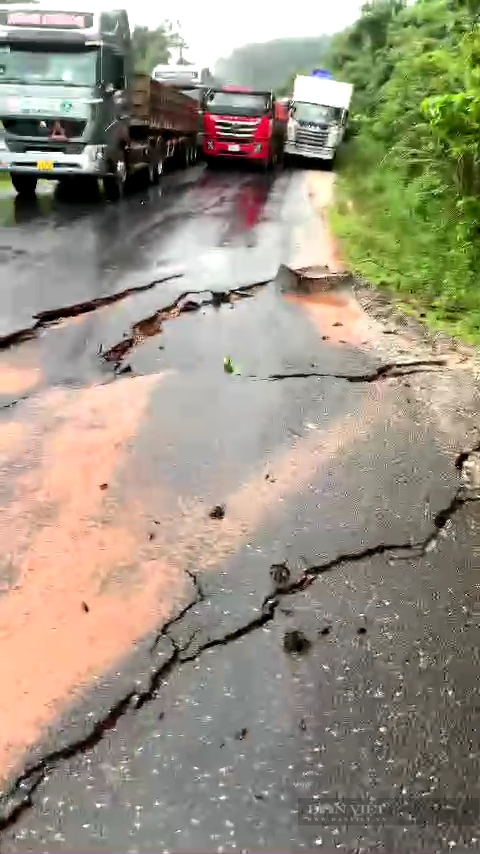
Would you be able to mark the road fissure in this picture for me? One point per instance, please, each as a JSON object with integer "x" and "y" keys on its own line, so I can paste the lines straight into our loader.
{"x": 390, "y": 370}
{"x": 152, "y": 325}
{"x": 20, "y": 796}
{"x": 50, "y": 316}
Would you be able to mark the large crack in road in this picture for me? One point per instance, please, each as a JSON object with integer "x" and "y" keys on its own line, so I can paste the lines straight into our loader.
{"x": 140, "y": 331}
{"x": 46, "y": 318}
{"x": 20, "y": 797}
{"x": 389, "y": 370}
{"x": 184, "y": 303}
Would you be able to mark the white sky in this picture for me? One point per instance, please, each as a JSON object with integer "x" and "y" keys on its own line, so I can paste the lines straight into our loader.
{"x": 215, "y": 28}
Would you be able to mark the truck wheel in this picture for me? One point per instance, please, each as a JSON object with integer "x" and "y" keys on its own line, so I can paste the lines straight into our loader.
{"x": 25, "y": 185}
{"x": 114, "y": 185}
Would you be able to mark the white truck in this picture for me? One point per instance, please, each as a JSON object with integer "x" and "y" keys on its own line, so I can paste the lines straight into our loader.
{"x": 318, "y": 118}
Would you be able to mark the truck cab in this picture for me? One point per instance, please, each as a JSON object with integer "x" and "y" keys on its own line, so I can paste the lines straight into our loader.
{"x": 241, "y": 124}
{"x": 318, "y": 117}
{"x": 64, "y": 78}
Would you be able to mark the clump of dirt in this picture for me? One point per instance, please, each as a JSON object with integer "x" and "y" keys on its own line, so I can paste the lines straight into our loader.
{"x": 296, "y": 642}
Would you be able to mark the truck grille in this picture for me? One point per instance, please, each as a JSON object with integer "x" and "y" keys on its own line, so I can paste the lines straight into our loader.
{"x": 312, "y": 137}
{"x": 235, "y": 130}
{"x": 40, "y": 129}
{"x": 23, "y": 135}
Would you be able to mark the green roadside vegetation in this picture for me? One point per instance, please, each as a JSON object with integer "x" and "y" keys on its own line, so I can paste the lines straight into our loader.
{"x": 408, "y": 200}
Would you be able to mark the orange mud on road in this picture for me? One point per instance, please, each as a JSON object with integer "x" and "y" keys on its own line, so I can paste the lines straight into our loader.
{"x": 93, "y": 561}
{"x": 73, "y": 543}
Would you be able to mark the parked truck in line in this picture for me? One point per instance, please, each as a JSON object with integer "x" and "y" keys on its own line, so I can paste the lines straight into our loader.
{"x": 318, "y": 118}
{"x": 191, "y": 80}
{"x": 241, "y": 124}
{"x": 73, "y": 110}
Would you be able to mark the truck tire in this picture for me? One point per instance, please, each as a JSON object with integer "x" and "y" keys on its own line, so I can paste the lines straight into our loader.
{"x": 25, "y": 185}
{"x": 114, "y": 185}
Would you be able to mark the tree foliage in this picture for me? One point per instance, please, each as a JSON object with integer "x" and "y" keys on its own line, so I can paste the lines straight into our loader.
{"x": 415, "y": 165}
{"x": 153, "y": 47}
{"x": 271, "y": 65}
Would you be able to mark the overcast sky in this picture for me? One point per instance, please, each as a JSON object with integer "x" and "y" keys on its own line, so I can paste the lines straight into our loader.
{"x": 213, "y": 29}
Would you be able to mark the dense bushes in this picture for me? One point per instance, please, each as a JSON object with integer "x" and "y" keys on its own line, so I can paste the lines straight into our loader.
{"x": 413, "y": 170}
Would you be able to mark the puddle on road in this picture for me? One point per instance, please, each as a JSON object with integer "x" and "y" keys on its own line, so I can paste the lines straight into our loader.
{"x": 15, "y": 210}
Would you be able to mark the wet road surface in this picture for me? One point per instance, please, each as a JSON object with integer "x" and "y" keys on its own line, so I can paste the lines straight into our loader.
{"x": 146, "y": 687}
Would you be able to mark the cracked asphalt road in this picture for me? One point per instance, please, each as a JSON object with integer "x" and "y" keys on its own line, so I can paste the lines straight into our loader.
{"x": 148, "y": 701}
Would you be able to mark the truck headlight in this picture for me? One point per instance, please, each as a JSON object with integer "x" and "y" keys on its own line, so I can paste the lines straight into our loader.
{"x": 332, "y": 137}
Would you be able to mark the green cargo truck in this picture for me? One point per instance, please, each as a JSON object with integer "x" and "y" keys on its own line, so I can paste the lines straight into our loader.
{"x": 72, "y": 109}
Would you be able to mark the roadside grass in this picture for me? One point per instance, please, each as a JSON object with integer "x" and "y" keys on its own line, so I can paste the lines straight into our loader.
{"x": 4, "y": 178}
{"x": 402, "y": 238}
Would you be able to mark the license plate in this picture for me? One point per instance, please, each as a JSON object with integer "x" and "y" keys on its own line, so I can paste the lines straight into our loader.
{"x": 234, "y": 148}
{"x": 44, "y": 165}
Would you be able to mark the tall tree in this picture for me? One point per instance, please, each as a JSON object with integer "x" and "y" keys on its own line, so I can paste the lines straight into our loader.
{"x": 270, "y": 64}
{"x": 154, "y": 47}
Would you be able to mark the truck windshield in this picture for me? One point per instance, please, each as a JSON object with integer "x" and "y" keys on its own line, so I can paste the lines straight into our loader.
{"x": 24, "y": 66}
{"x": 237, "y": 103}
{"x": 315, "y": 113}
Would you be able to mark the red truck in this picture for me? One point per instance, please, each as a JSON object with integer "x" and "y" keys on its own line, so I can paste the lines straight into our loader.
{"x": 242, "y": 124}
